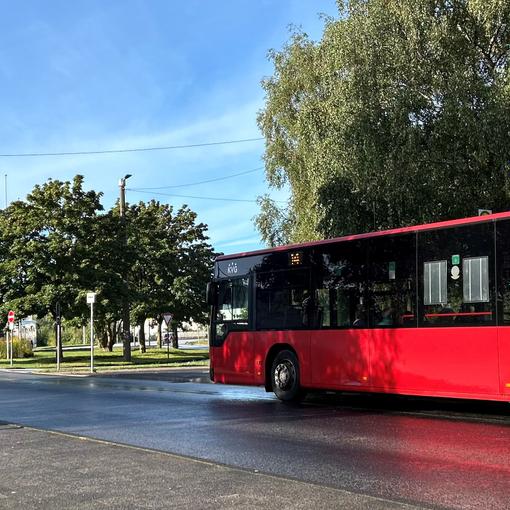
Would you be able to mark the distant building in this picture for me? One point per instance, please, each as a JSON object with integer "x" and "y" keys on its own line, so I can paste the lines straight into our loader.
{"x": 27, "y": 329}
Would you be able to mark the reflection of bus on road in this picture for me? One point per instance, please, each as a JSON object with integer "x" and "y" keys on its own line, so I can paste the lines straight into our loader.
{"x": 420, "y": 310}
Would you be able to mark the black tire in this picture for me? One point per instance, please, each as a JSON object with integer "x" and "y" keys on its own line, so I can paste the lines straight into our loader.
{"x": 285, "y": 380}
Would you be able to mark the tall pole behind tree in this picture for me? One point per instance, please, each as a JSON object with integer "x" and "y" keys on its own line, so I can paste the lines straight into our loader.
{"x": 126, "y": 336}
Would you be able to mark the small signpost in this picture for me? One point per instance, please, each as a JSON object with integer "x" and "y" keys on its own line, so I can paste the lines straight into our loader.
{"x": 10, "y": 322}
{"x": 168, "y": 319}
{"x": 91, "y": 299}
{"x": 58, "y": 331}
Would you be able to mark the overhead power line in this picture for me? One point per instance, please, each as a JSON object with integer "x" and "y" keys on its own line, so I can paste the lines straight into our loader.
{"x": 197, "y": 197}
{"x": 135, "y": 149}
{"x": 202, "y": 182}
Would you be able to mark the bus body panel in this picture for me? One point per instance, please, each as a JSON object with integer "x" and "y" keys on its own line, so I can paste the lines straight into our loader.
{"x": 504, "y": 360}
{"x": 460, "y": 360}
{"x": 233, "y": 360}
{"x": 418, "y": 360}
{"x": 448, "y": 362}
{"x": 340, "y": 358}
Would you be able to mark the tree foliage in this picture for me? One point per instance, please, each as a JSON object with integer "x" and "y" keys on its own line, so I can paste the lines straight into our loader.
{"x": 273, "y": 223}
{"x": 47, "y": 256}
{"x": 399, "y": 115}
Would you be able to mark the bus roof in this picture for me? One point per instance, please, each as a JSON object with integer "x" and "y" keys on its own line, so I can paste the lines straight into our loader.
{"x": 402, "y": 230}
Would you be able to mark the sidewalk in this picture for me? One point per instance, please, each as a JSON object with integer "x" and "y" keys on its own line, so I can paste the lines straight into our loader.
{"x": 44, "y": 470}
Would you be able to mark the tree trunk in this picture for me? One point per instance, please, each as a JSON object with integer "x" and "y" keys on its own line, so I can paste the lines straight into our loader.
{"x": 118, "y": 332}
{"x": 175, "y": 338}
{"x": 104, "y": 337}
{"x": 141, "y": 335}
{"x": 160, "y": 333}
{"x": 112, "y": 331}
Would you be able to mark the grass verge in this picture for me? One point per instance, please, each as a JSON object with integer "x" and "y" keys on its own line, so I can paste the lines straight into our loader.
{"x": 79, "y": 361}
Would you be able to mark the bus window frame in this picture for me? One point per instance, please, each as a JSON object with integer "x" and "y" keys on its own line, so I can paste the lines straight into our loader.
{"x": 451, "y": 318}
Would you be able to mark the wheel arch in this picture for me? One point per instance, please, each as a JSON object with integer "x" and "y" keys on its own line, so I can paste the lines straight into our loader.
{"x": 271, "y": 355}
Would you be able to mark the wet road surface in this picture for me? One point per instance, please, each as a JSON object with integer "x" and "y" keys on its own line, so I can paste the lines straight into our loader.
{"x": 446, "y": 454}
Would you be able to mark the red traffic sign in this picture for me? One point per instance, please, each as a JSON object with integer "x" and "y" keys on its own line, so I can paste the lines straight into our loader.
{"x": 168, "y": 317}
{"x": 10, "y": 316}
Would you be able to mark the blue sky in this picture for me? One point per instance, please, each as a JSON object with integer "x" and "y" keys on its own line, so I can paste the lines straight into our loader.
{"x": 92, "y": 75}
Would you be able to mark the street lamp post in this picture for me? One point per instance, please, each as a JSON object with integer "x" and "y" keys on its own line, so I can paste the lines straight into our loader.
{"x": 126, "y": 340}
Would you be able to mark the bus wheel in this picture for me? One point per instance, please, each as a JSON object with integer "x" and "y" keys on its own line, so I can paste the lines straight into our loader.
{"x": 285, "y": 377}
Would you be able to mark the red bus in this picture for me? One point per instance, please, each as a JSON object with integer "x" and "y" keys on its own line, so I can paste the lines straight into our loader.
{"x": 421, "y": 310}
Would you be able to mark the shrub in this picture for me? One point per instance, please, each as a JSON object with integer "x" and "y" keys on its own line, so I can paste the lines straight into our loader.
{"x": 46, "y": 331}
{"x": 71, "y": 334}
{"x": 20, "y": 348}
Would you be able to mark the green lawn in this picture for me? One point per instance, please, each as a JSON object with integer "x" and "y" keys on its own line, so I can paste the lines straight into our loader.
{"x": 78, "y": 361}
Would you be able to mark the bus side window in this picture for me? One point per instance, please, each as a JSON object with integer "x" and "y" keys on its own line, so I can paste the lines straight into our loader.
{"x": 457, "y": 276}
{"x": 339, "y": 307}
{"x": 349, "y": 308}
{"x": 280, "y": 299}
{"x": 391, "y": 283}
{"x": 341, "y": 282}
{"x": 324, "y": 308}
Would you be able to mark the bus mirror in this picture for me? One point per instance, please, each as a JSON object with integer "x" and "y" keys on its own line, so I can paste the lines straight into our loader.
{"x": 211, "y": 293}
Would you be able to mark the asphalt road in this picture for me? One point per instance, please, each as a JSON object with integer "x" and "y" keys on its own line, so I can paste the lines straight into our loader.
{"x": 431, "y": 454}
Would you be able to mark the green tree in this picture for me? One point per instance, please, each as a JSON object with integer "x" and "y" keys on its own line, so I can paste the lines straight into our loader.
{"x": 150, "y": 228}
{"x": 171, "y": 265}
{"x": 399, "y": 115}
{"x": 193, "y": 273}
{"x": 46, "y": 257}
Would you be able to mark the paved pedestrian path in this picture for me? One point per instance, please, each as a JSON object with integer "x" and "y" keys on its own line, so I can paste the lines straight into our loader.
{"x": 45, "y": 470}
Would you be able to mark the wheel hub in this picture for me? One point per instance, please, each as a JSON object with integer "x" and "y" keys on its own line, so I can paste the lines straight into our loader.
{"x": 284, "y": 375}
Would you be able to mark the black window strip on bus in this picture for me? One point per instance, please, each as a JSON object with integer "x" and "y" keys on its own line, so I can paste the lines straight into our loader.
{"x": 495, "y": 271}
{"x": 417, "y": 306}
